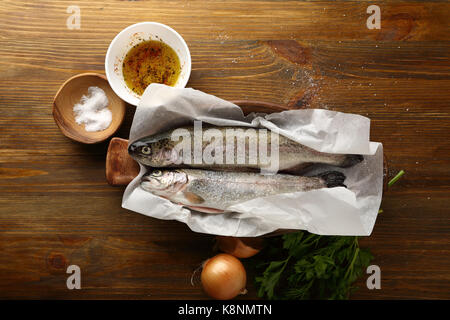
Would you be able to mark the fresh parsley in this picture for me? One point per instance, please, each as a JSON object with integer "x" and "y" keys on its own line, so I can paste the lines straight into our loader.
{"x": 309, "y": 266}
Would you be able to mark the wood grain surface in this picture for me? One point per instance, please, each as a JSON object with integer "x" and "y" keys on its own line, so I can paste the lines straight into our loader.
{"x": 56, "y": 208}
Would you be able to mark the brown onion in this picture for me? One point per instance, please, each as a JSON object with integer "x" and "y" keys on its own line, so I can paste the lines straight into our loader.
{"x": 240, "y": 247}
{"x": 223, "y": 277}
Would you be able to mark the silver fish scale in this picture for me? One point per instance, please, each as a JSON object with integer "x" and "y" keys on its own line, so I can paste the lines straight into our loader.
{"x": 222, "y": 189}
{"x": 291, "y": 153}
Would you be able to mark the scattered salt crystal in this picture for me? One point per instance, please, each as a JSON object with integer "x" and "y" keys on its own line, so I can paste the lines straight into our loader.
{"x": 92, "y": 110}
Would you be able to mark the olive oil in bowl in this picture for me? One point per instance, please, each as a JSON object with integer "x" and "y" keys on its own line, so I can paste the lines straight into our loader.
{"x": 149, "y": 62}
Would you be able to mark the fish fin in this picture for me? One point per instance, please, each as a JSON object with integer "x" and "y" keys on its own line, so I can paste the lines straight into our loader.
{"x": 193, "y": 198}
{"x": 333, "y": 179}
{"x": 297, "y": 169}
{"x": 205, "y": 209}
{"x": 351, "y": 159}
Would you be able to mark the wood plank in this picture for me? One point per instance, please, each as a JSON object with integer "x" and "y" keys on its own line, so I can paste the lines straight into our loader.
{"x": 214, "y": 20}
{"x": 56, "y": 208}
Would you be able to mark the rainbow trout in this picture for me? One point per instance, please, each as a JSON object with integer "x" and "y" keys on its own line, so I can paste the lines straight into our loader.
{"x": 215, "y": 191}
{"x": 231, "y": 149}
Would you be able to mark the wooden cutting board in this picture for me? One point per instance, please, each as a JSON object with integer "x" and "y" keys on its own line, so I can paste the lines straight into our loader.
{"x": 120, "y": 167}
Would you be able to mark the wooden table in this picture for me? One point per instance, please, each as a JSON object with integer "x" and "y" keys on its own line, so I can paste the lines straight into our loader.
{"x": 56, "y": 208}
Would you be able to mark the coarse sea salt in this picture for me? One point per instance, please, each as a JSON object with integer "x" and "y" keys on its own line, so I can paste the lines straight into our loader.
{"x": 92, "y": 110}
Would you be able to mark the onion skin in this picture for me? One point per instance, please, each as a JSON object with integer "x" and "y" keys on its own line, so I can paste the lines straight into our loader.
{"x": 223, "y": 277}
{"x": 240, "y": 247}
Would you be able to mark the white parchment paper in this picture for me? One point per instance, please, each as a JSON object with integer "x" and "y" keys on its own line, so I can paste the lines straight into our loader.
{"x": 335, "y": 211}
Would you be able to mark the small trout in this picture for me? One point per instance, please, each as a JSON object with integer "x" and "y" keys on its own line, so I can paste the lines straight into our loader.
{"x": 231, "y": 149}
{"x": 215, "y": 191}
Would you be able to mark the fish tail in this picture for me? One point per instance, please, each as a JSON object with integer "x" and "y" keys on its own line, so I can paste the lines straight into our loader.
{"x": 351, "y": 159}
{"x": 333, "y": 179}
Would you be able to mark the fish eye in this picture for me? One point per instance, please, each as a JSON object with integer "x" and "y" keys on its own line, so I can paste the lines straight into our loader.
{"x": 157, "y": 173}
{"x": 146, "y": 150}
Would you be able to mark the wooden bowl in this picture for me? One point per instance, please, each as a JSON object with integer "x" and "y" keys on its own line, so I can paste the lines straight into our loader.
{"x": 70, "y": 93}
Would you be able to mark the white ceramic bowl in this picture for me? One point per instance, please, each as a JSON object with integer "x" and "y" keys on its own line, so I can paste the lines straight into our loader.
{"x": 131, "y": 36}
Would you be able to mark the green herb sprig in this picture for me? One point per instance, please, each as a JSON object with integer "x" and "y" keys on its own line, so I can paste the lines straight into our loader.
{"x": 310, "y": 266}
{"x": 395, "y": 179}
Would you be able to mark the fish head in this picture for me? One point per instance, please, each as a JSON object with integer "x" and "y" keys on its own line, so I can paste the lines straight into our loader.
{"x": 154, "y": 152}
{"x": 164, "y": 182}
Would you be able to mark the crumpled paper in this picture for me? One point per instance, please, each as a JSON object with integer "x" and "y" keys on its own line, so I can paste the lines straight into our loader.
{"x": 334, "y": 211}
